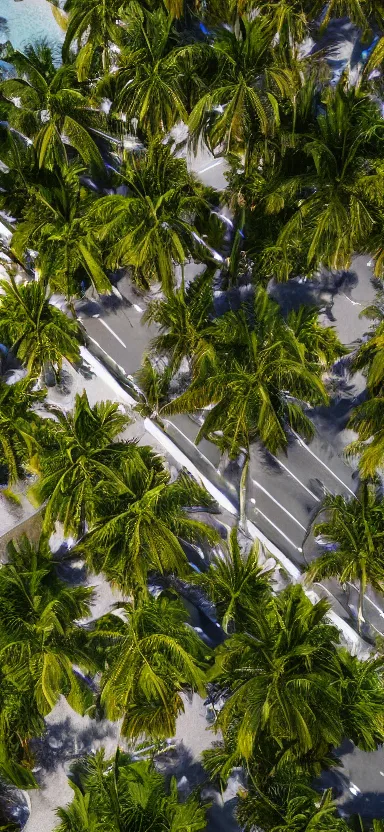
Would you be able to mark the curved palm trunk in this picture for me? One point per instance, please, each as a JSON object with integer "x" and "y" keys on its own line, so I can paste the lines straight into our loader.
{"x": 243, "y": 494}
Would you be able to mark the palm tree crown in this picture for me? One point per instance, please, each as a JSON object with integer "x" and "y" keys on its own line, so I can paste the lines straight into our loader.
{"x": 35, "y": 330}
{"x": 237, "y": 584}
{"x": 140, "y": 528}
{"x": 153, "y": 655}
{"x": 78, "y": 458}
{"x": 57, "y": 222}
{"x": 39, "y": 639}
{"x": 19, "y": 425}
{"x": 52, "y": 104}
{"x": 153, "y": 226}
{"x": 123, "y": 793}
{"x": 356, "y": 527}
{"x": 255, "y": 374}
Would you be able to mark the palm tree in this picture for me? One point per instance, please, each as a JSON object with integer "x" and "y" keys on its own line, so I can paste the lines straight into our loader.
{"x": 154, "y": 388}
{"x": 153, "y": 227}
{"x": 78, "y": 460}
{"x": 182, "y": 318}
{"x": 19, "y": 171}
{"x": 57, "y": 223}
{"x": 367, "y": 420}
{"x": 35, "y": 330}
{"x": 330, "y": 183}
{"x": 289, "y": 805}
{"x": 241, "y": 104}
{"x": 283, "y": 674}
{"x": 52, "y": 105}
{"x": 139, "y": 528}
{"x": 361, "y": 12}
{"x": 254, "y": 377}
{"x": 288, "y": 19}
{"x": 148, "y": 84}
{"x": 19, "y": 425}
{"x": 39, "y": 640}
{"x": 121, "y": 793}
{"x": 236, "y": 584}
{"x": 362, "y": 693}
{"x": 153, "y": 655}
{"x": 98, "y": 22}
{"x": 369, "y": 357}
{"x": 356, "y": 528}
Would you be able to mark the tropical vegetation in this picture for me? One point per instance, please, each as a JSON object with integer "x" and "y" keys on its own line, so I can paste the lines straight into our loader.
{"x": 97, "y": 149}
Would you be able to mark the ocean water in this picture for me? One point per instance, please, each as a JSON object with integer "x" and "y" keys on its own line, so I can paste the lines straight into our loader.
{"x": 24, "y": 21}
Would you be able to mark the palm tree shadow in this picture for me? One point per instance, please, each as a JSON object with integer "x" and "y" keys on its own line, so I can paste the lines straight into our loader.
{"x": 63, "y": 742}
{"x": 367, "y": 804}
{"x": 221, "y": 817}
{"x": 179, "y": 762}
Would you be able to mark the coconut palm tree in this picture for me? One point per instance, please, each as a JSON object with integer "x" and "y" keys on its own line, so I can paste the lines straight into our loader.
{"x": 289, "y": 806}
{"x": 245, "y": 82}
{"x": 288, "y": 19}
{"x": 331, "y": 183}
{"x": 367, "y": 420}
{"x": 356, "y": 527}
{"x": 78, "y": 459}
{"x": 35, "y": 330}
{"x": 19, "y": 425}
{"x": 236, "y": 583}
{"x": 122, "y": 792}
{"x": 283, "y": 677}
{"x": 51, "y": 104}
{"x": 148, "y": 83}
{"x": 153, "y": 655}
{"x": 57, "y": 223}
{"x": 369, "y": 357}
{"x": 19, "y": 171}
{"x": 254, "y": 377}
{"x": 20, "y": 722}
{"x": 153, "y": 227}
{"x": 93, "y": 28}
{"x": 39, "y": 640}
{"x": 361, "y": 12}
{"x": 140, "y": 528}
{"x": 182, "y": 318}
{"x": 362, "y": 694}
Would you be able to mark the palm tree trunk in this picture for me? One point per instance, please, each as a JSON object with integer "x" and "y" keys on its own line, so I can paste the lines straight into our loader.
{"x": 360, "y": 612}
{"x": 243, "y": 494}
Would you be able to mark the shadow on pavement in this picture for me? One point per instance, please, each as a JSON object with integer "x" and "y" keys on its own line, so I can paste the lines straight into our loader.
{"x": 64, "y": 741}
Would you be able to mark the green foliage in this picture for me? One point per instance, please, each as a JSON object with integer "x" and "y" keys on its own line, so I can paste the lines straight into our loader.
{"x": 19, "y": 425}
{"x": 244, "y": 84}
{"x": 153, "y": 227}
{"x": 182, "y": 319}
{"x": 139, "y": 530}
{"x": 329, "y": 181}
{"x": 148, "y": 83}
{"x": 356, "y": 527}
{"x": 51, "y": 102}
{"x": 236, "y": 583}
{"x": 251, "y": 357}
{"x": 78, "y": 458}
{"x": 93, "y": 29}
{"x": 153, "y": 656}
{"x": 35, "y": 330}
{"x": 281, "y": 673}
{"x": 39, "y": 645}
{"x": 121, "y": 794}
{"x": 57, "y": 222}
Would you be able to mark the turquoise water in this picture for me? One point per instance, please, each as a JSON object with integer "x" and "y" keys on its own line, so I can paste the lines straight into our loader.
{"x": 24, "y": 21}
